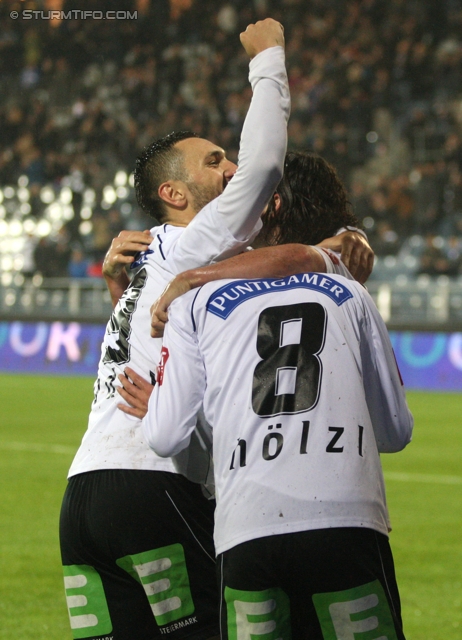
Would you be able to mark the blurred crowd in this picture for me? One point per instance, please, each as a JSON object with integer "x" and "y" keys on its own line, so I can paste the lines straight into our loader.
{"x": 376, "y": 89}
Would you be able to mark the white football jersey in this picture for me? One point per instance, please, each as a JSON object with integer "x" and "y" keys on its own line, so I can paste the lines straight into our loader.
{"x": 298, "y": 380}
{"x": 225, "y": 227}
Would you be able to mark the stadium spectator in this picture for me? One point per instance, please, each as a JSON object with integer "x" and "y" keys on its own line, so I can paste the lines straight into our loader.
{"x": 376, "y": 89}
{"x": 433, "y": 260}
{"x": 78, "y": 266}
{"x": 51, "y": 256}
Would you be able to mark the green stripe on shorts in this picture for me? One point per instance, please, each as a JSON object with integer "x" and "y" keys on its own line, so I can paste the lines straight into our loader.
{"x": 258, "y": 614}
{"x": 361, "y": 613}
{"x": 164, "y": 577}
{"x": 86, "y": 602}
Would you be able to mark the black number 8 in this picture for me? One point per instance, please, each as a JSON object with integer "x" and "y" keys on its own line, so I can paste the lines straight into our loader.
{"x": 288, "y": 378}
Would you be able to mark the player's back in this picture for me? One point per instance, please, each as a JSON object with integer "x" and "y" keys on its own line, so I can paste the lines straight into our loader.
{"x": 293, "y": 441}
{"x": 114, "y": 439}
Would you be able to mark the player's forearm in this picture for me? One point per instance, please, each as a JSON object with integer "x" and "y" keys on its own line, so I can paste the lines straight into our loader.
{"x": 116, "y": 286}
{"x": 262, "y": 147}
{"x": 270, "y": 262}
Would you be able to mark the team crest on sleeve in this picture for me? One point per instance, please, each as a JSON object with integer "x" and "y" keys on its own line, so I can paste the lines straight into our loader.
{"x": 223, "y": 301}
{"x": 164, "y": 355}
{"x": 141, "y": 258}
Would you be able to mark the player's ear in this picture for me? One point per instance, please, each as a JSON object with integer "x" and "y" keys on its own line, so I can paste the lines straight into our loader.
{"x": 277, "y": 201}
{"x": 272, "y": 207}
{"x": 173, "y": 193}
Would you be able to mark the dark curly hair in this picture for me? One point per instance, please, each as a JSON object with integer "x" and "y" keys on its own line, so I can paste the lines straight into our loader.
{"x": 160, "y": 161}
{"x": 314, "y": 203}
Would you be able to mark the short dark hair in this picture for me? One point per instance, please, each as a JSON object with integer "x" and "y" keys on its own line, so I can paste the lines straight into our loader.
{"x": 314, "y": 202}
{"x": 160, "y": 161}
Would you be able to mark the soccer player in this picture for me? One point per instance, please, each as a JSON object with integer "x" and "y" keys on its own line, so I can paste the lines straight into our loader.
{"x": 298, "y": 380}
{"x": 136, "y": 533}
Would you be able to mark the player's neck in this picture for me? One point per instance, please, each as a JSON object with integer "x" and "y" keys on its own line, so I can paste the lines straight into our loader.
{"x": 180, "y": 218}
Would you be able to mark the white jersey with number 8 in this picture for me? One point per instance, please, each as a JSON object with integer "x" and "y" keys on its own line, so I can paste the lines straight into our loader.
{"x": 299, "y": 383}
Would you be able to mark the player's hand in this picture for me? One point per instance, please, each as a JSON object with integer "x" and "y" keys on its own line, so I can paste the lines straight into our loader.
{"x": 159, "y": 315}
{"x": 136, "y": 391}
{"x": 122, "y": 251}
{"x": 355, "y": 251}
{"x": 262, "y": 35}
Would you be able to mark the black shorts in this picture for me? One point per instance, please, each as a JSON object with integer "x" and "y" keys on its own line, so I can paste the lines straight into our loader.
{"x": 138, "y": 556}
{"x": 313, "y": 585}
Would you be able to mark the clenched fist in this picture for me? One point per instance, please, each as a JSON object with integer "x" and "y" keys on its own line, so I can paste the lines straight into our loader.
{"x": 262, "y": 35}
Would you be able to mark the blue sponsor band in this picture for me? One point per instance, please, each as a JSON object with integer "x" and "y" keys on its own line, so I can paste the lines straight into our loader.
{"x": 223, "y": 301}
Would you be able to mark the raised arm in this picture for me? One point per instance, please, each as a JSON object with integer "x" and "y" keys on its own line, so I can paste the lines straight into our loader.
{"x": 228, "y": 224}
{"x": 264, "y": 134}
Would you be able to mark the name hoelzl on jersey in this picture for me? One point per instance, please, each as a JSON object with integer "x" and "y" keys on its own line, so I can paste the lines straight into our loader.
{"x": 223, "y": 301}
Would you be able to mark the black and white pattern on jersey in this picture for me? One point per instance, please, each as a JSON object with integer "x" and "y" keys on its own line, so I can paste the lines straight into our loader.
{"x": 120, "y": 321}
